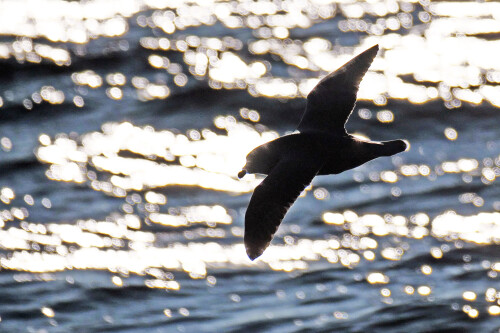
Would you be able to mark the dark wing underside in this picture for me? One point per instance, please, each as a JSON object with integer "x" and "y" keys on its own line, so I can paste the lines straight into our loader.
{"x": 330, "y": 103}
{"x": 272, "y": 199}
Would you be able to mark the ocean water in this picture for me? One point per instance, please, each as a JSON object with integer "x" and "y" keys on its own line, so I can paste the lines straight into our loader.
{"x": 123, "y": 125}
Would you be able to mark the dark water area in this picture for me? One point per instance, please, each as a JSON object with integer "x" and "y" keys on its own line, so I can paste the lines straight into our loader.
{"x": 123, "y": 125}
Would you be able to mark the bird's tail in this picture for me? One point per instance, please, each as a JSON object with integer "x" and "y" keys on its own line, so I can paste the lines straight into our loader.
{"x": 393, "y": 147}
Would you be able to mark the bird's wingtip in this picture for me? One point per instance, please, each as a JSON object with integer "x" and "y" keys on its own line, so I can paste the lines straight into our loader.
{"x": 251, "y": 257}
{"x": 253, "y": 252}
{"x": 407, "y": 143}
{"x": 374, "y": 48}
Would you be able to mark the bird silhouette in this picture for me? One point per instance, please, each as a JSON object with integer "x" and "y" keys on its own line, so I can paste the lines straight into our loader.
{"x": 321, "y": 146}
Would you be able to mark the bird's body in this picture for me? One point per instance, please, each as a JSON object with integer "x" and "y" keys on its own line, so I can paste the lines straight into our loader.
{"x": 320, "y": 147}
{"x": 337, "y": 153}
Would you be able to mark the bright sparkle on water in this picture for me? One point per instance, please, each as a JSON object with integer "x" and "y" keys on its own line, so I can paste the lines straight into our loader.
{"x": 172, "y": 159}
{"x": 422, "y": 60}
{"x": 434, "y": 58}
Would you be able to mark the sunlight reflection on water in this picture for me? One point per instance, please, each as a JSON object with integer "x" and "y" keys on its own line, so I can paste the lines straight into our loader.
{"x": 124, "y": 158}
{"x": 435, "y": 59}
{"x": 91, "y": 157}
{"x": 159, "y": 158}
{"x": 442, "y": 52}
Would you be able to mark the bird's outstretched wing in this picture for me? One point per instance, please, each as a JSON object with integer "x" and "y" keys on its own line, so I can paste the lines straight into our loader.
{"x": 331, "y": 101}
{"x": 272, "y": 199}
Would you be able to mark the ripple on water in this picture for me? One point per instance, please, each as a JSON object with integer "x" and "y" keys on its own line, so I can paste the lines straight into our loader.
{"x": 385, "y": 247}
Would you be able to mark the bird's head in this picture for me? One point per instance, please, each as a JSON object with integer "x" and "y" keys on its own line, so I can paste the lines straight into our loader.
{"x": 242, "y": 173}
{"x": 260, "y": 160}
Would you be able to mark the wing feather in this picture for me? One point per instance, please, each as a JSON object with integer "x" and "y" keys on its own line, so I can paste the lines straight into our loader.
{"x": 272, "y": 199}
{"x": 331, "y": 101}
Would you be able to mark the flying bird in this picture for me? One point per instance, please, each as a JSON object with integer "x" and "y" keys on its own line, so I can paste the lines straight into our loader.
{"x": 320, "y": 146}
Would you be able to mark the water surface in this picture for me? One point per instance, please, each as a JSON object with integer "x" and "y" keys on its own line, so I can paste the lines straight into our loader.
{"x": 123, "y": 125}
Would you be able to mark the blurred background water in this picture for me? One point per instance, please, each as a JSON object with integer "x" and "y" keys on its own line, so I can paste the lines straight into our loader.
{"x": 123, "y": 124}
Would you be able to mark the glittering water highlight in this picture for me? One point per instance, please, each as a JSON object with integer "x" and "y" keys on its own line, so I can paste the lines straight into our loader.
{"x": 123, "y": 126}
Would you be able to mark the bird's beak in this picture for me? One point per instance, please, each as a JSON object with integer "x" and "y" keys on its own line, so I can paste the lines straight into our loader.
{"x": 242, "y": 173}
